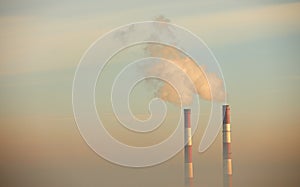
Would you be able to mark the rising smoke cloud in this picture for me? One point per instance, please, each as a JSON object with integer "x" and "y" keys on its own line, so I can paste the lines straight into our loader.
{"x": 204, "y": 83}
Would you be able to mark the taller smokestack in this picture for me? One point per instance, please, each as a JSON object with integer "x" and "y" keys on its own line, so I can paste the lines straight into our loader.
{"x": 227, "y": 160}
{"x": 188, "y": 148}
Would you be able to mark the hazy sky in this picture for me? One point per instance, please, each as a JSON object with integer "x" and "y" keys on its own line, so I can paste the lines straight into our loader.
{"x": 257, "y": 44}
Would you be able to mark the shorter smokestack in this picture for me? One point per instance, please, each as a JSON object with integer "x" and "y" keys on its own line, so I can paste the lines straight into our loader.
{"x": 188, "y": 148}
{"x": 227, "y": 160}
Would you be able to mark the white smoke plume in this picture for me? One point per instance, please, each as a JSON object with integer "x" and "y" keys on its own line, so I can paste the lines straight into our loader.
{"x": 204, "y": 83}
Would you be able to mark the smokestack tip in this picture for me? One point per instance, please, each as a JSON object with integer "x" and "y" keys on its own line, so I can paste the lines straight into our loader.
{"x": 187, "y": 110}
{"x": 226, "y": 114}
{"x": 226, "y": 107}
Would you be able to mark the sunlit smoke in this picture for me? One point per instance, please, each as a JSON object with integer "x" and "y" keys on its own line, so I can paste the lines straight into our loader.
{"x": 204, "y": 83}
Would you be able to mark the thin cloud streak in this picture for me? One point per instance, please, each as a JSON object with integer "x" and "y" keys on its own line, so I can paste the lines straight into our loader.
{"x": 247, "y": 24}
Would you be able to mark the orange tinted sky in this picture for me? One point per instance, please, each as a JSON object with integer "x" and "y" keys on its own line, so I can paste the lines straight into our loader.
{"x": 257, "y": 45}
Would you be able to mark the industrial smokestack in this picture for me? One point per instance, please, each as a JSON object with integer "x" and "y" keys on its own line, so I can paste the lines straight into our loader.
{"x": 188, "y": 148}
{"x": 227, "y": 160}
